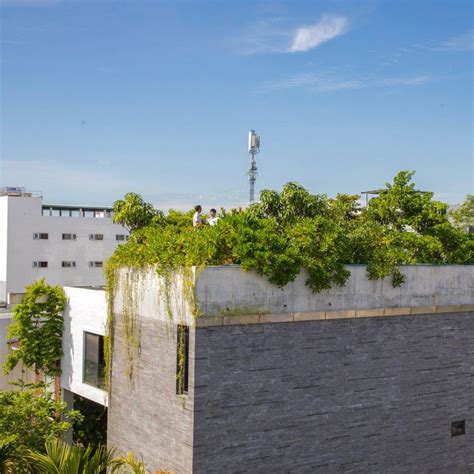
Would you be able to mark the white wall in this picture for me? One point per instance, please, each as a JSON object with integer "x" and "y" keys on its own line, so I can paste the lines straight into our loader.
{"x": 226, "y": 288}
{"x": 3, "y": 248}
{"x": 86, "y": 312}
{"x": 25, "y": 218}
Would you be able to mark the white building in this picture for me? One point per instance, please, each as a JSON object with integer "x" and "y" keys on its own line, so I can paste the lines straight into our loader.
{"x": 67, "y": 245}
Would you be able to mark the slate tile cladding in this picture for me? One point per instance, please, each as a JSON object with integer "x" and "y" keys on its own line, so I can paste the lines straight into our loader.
{"x": 351, "y": 395}
{"x": 145, "y": 414}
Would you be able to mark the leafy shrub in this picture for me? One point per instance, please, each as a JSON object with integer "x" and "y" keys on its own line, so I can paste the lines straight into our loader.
{"x": 294, "y": 229}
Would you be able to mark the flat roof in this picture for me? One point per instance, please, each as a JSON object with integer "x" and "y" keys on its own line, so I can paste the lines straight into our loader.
{"x": 69, "y": 207}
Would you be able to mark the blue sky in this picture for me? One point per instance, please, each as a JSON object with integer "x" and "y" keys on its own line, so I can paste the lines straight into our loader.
{"x": 104, "y": 97}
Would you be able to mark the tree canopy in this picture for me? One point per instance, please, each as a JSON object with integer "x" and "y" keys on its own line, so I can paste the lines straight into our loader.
{"x": 29, "y": 417}
{"x": 294, "y": 229}
{"x": 37, "y": 329}
{"x": 134, "y": 213}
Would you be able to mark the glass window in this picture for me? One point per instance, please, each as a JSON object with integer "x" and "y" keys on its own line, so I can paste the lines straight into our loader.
{"x": 68, "y": 264}
{"x": 94, "y": 361}
{"x": 69, "y": 236}
{"x": 120, "y": 237}
{"x": 96, "y": 236}
{"x": 40, "y": 236}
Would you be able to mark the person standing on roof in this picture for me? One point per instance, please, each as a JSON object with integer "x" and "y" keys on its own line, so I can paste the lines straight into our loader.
{"x": 212, "y": 217}
{"x": 197, "y": 217}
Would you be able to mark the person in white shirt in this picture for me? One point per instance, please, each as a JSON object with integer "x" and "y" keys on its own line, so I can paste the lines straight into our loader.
{"x": 197, "y": 217}
{"x": 212, "y": 217}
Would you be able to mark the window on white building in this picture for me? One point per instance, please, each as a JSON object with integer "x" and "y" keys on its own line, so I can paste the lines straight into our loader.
{"x": 40, "y": 236}
{"x": 95, "y": 264}
{"x": 69, "y": 236}
{"x": 96, "y": 236}
{"x": 121, "y": 237}
{"x": 68, "y": 264}
{"x": 40, "y": 264}
{"x": 94, "y": 360}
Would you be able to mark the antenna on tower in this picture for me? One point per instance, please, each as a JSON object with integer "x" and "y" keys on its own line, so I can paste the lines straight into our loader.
{"x": 254, "y": 148}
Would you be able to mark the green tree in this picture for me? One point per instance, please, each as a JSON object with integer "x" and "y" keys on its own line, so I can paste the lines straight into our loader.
{"x": 134, "y": 213}
{"x": 28, "y": 418}
{"x": 463, "y": 216}
{"x": 38, "y": 327}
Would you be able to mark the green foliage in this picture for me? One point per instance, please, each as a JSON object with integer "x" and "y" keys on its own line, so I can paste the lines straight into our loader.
{"x": 38, "y": 328}
{"x": 294, "y": 229}
{"x": 464, "y": 215}
{"x": 28, "y": 418}
{"x": 62, "y": 458}
{"x": 134, "y": 213}
{"x": 92, "y": 429}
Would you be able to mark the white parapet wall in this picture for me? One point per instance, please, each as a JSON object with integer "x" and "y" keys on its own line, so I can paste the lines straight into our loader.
{"x": 223, "y": 289}
{"x": 86, "y": 312}
{"x": 227, "y": 290}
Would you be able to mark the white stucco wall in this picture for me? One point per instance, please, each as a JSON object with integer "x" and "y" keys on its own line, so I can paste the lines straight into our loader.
{"x": 86, "y": 312}
{"x": 25, "y": 218}
{"x": 226, "y": 288}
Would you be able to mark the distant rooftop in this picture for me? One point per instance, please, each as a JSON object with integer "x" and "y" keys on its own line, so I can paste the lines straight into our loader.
{"x": 19, "y": 192}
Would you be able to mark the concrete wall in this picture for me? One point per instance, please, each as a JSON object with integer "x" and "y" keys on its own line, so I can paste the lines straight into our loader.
{"x": 17, "y": 373}
{"x": 223, "y": 289}
{"x": 86, "y": 312}
{"x": 354, "y": 395}
{"x": 145, "y": 414}
{"x": 24, "y": 219}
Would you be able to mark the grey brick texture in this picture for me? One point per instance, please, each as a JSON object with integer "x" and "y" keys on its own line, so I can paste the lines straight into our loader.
{"x": 145, "y": 414}
{"x": 374, "y": 395}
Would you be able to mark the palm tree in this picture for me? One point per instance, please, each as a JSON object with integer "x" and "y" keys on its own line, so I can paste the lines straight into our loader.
{"x": 62, "y": 458}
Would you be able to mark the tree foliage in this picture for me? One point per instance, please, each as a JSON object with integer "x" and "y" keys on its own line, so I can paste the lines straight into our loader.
{"x": 29, "y": 417}
{"x": 294, "y": 229}
{"x": 38, "y": 327}
{"x": 63, "y": 458}
{"x": 464, "y": 214}
{"x": 134, "y": 213}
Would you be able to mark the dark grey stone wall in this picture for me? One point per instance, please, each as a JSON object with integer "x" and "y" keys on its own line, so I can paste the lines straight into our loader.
{"x": 145, "y": 415}
{"x": 356, "y": 395}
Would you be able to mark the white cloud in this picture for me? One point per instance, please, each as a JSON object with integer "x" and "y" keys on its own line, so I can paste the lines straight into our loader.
{"x": 309, "y": 37}
{"x": 463, "y": 42}
{"x": 272, "y": 36}
{"x": 326, "y": 83}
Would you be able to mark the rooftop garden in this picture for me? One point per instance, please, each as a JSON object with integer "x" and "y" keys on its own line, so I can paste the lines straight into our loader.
{"x": 294, "y": 229}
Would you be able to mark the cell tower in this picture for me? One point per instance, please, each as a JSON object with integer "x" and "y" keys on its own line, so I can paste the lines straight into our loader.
{"x": 254, "y": 148}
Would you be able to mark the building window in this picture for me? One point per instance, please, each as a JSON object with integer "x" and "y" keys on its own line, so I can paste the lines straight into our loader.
{"x": 182, "y": 360}
{"x": 94, "y": 361}
{"x": 458, "y": 428}
{"x": 40, "y": 264}
{"x": 40, "y": 236}
{"x": 96, "y": 236}
{"x": 121, "y": 237}
{"x": 69, "y": 236}
{"x": 470, "y": 229}
{"x": 68, "y": 264}
{"x": 96, "y": 264}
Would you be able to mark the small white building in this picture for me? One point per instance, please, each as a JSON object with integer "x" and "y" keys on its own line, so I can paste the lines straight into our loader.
{"x": 83, "y": 345}
{"x": 67, "y": 245}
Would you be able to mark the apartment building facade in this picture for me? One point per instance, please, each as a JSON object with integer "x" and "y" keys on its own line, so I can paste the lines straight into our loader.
{"x": 67, "y": 245}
